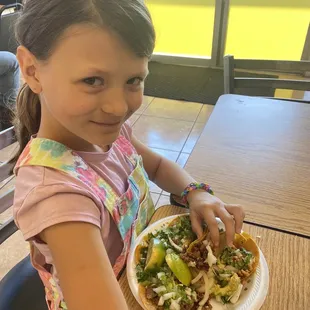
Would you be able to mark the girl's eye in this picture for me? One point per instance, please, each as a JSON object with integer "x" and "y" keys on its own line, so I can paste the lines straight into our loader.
{"x": 135, "y": 81}
{"x": 93, "y": 81}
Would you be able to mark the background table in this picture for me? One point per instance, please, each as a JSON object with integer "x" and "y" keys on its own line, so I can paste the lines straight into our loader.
{"x": 256, "y": 152}
{"x": 288, "y": 260}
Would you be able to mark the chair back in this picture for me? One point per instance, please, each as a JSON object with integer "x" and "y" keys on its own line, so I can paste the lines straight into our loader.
{"x": 279, "y": 67}
{"x": 7, "y": 138}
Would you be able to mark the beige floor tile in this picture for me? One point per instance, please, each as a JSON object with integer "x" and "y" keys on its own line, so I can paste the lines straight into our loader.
{"x": 162, "y": 201}
{"x": 8, "y": 152}
{"x": 146, "y": 102}
{"x": 182, "y": 159}
{"x": 154, "y": 188}
{"x": 167, "y": 134}
{"x": 193, "y": 137}
{"x": 171, "y": 155}
{"x": 182, "y": 110}
{"x": 205, "y": 113}
{"x": 155, "y": 198}
{"x": 12, "y": 251}
{"x": 133, "y": 118}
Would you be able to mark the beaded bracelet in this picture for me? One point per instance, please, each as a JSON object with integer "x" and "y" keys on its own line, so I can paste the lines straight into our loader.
{"x": 192, "y": 187}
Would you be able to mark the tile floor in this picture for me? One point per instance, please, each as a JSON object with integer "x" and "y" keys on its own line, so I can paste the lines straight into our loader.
{"x": 169, "y": 127}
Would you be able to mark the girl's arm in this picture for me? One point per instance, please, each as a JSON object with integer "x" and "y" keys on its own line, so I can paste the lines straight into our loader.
{"x": 86, "y": 276}
{"x": 203, "y": 206}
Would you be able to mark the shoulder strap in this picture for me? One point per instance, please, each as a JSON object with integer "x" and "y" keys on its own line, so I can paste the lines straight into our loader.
{"x": 51, "y": 154}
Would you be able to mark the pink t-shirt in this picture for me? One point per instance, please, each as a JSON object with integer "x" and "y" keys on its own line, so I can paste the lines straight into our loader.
{"x": 45, "y": 197}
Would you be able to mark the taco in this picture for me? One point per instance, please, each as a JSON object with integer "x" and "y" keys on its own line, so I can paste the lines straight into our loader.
{"x": 181, "y": 233}
{"x": 243, "y": 256}
{"x": 188, "y": 272}
{"x": 201, "y": 252}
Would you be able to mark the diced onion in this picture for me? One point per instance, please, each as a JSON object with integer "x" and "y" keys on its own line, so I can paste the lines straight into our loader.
{"x": 161, "y": 301}
{"x": 159, "y": 289}
{"x": 218, "y": 298}
{"x": 199, "y": 276}
{"x": 206, "y": 242}
{"x": 206, "y": 296}
{"x": 169, "y": 251}
{"x": 168, "y": 296}
{"x": 232, "y": 268}
{"x": 160, "y": 275}
{"x": 191, "y": 264}
{"x": 174, "y": 305}
{"x": 211, "y": 259}
{"x": 175, "y": 245}
{"x": 188, "y": 291}
{"x": 235, "y": 297}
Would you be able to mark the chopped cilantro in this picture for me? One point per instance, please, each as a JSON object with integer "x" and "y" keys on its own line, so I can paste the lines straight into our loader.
{"x": 238, "y": 258}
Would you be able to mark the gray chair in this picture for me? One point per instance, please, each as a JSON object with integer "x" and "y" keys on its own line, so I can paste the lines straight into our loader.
{"x": 7, "y": 21}
{"x": 231, "y": 83}
{"x": 21, "y": 288}
{"x": 7, "y": 137}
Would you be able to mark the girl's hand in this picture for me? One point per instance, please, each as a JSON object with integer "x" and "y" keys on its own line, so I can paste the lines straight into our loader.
{"x": 205, "y": 207}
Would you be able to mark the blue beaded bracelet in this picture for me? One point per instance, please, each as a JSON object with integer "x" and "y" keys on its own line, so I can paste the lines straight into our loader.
{"x": 192, "y": 187}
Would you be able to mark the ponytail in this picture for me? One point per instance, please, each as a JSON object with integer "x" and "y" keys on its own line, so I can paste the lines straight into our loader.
{"x": 27, "y": 118}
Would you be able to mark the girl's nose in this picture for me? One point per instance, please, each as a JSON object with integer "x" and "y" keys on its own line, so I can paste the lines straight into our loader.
{"x": 114, "y": 102}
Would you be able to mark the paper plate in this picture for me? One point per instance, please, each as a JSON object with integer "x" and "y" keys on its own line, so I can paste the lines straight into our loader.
{"x": 251, "y": 299}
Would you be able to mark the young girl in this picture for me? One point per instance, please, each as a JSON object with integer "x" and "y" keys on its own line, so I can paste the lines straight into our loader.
{"x": 82, "y": 177}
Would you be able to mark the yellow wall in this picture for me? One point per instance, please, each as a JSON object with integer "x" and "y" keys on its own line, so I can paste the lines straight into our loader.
{"x": 270, "y": 32}
{"x": 273, "y": 29}
{"x": 183, "y": 27}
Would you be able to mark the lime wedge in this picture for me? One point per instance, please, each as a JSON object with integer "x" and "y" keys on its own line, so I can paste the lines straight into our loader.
{"x": 179, "y": 268}
{"x": 155, "y": 255}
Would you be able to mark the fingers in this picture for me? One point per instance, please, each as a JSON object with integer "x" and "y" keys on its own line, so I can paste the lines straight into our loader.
{"x": 229, "y": 222}
{"x": 209, "y": 218}
{"x": 238, "y": 213}
{"x": 196, "y": 224}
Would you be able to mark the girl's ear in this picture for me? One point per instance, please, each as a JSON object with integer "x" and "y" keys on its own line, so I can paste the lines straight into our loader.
{"x": 29, "y": 68}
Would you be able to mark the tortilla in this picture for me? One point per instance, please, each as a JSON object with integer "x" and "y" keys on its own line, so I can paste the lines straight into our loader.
{"x": 146, "y": 302}
{"x": 244, "y": 240}
{"x": 137, "y": 255}
{"x": 141, "y": 289}
{"x": 172, "y": 223}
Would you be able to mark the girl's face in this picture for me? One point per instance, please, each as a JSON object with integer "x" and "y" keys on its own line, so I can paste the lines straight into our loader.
{"x": 90, "y": 85}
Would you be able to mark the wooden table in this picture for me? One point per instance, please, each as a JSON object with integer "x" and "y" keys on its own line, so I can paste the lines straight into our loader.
{"x": 288, "y": 260}
{"x": 256, "y": 152}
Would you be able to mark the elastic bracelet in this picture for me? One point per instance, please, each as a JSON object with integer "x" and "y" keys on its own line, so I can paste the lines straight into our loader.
{"x": 193, "y": 187}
